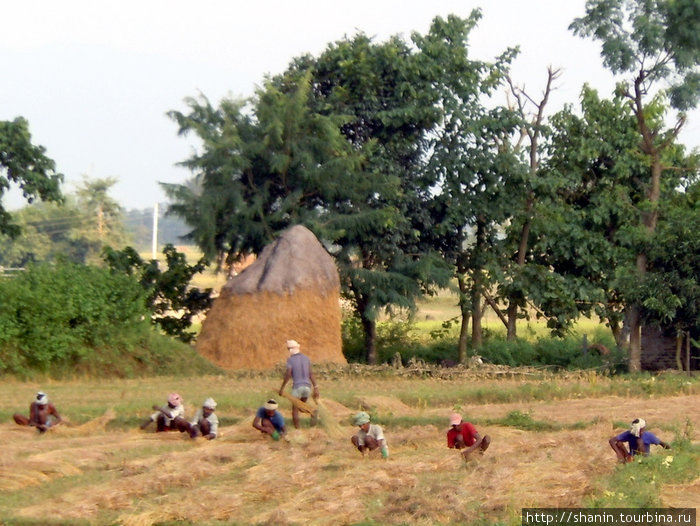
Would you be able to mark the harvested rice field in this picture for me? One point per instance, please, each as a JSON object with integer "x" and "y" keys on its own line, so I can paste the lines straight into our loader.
{"x": 549, "y": 448}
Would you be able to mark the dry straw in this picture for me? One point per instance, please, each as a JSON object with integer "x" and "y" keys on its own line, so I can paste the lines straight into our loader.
{"x": 290, "y": 292}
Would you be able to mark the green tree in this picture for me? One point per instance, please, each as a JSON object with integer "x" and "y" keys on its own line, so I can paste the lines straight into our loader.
{"x": 25, "y": 165}
{"x": 583, "y": 241}
{"x": 173, "y": 303}
{"x": 47, "y": 233}
{"x": 656, "y": 43}
{"x": 106, "y": 226}
{"x": 75, "y": 229}
{"x": 474, "y": 175}
{"x": 336, "y": 143}
{"x": 384, "y": 92}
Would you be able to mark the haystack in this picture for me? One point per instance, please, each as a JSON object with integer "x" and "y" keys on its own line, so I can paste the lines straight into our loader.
{"x": 290, "y": 292}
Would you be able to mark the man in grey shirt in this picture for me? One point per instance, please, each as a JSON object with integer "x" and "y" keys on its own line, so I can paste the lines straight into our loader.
{"x": 299, "y": 371}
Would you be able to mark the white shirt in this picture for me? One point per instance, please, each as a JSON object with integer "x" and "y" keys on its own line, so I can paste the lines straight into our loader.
{"x": 174, "y": 413}
{"x": 212, "y": 419}
{"x": 374, "y": 431}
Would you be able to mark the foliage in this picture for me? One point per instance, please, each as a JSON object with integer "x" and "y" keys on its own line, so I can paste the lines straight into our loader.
{"x": 60, "y": 314}
{"x": 656, "y": 40}
{"x": 656, "y": 44}
{"x": 25, "y": 165}
{"x": 172, "y": 302}
{"x": 76, "y": 229}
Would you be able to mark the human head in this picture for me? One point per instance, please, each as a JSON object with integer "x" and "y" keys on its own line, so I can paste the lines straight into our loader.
{"x": 42, "y": 398}
{"x": 362, "y": 420}
{"x": 293, "y": 346}
{"x": 174, "y": 399}
{"x": 455, "y": 419}
{"x": 271, "y": 406}
{"x": 209, "y": 406}
{"x": 638, "y": 425}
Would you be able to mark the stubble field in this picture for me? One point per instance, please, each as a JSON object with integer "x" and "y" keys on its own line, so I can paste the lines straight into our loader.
{"x": 549, "y": 449}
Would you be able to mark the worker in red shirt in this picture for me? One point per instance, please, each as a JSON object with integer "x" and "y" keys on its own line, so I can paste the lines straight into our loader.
{"x": 463, "y": 435}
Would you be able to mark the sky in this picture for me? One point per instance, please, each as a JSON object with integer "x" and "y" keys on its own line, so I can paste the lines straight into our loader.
{"x": 95, "y": 79}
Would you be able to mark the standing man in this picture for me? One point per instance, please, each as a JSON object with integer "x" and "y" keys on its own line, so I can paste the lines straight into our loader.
{"x": 463, "y": 435}
{"x": 42, "y": 414}
{"x": 303, "y": 381}
{"x": 638, "y": 440}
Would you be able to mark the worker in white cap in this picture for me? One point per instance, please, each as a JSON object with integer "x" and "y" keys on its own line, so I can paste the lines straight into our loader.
{"x": 269, "y": 420}
{"x": 638, "y": 441}
{"x": 205, "y": 422}
{"x": 42, "y": 414}
{"x": 303, "y": 381}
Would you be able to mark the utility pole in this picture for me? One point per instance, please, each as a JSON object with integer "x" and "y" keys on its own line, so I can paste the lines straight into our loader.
{"x": 154, "y": 247}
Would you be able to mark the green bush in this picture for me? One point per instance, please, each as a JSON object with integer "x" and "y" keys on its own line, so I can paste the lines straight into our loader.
{"x": 65, "y": 319}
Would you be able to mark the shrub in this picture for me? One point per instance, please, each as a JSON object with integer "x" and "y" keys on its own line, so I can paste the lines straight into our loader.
{"x": 65, "y": 318}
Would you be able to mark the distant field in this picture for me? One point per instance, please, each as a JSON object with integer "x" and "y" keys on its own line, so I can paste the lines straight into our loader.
{"x": 549, "y": 449}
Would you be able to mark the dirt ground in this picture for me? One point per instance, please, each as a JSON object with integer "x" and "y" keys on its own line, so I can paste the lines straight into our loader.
{"x": 140, "y": 478}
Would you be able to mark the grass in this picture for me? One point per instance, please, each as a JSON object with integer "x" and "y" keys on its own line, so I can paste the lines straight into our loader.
{"x": 122, "y": 475}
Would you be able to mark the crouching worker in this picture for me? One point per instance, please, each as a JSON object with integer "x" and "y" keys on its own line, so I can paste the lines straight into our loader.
{"x": 638, "y": 441}
{"x": 170, "y": 417}
{"x": 42, "y": 414}
{"x": 270, "y": 421}
{"x": 205, "y": 423}
{"x": 463, "y": 435}
{"x": 369, "y": 437}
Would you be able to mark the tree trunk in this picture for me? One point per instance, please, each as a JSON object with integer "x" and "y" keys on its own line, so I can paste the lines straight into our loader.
{"x": 465, "y": 310}
{"x": 370, "y": 327}
{"x": 635, "y": 348}
{"x": 679, "y": 350}
{"x": 477, "y": 312}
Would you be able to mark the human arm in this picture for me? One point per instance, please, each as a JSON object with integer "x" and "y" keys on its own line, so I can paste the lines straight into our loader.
{"x": 54, "y": 412}
{"x": 213, "y": 427}
{"x": 313, "y": 383}
{"x": 619, "y": 448}
{"x": 478, "y": 439}
{"x": 287, "y": 376}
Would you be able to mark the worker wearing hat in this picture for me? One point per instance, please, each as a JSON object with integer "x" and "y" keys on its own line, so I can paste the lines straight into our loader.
{"x": 463, "y": 435}
{"x": 370, "y": 436}
{"x": 303, "y": 381}
{"x": 205, "y": 422}
{"x": 42, "y": 414}
{"x": 269, "y": 420}
{"x": 170, "y": 417}
{"x": 638, "y": 441}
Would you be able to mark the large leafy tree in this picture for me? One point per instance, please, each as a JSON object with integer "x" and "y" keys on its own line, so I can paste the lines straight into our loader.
{"x": 474, "y": 173}
{"x": 385, "y": 93}
{"x": 583, "y": 234}
{"x": 25, "y": 165}
{"x": 338, "y": 143}
{"x": 655, "y": 44}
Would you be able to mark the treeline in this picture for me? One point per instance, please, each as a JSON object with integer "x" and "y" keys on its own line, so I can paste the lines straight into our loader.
{"x": 396, "y": 156}
{"x": 77, "y": 228}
